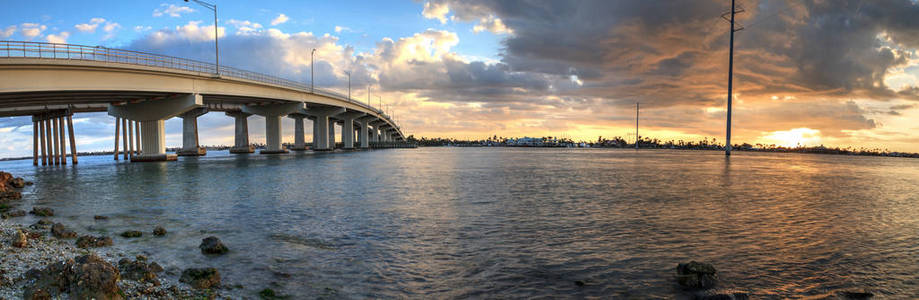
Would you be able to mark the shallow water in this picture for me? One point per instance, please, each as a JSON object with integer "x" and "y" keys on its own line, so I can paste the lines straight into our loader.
{"x": 509, "y": 222}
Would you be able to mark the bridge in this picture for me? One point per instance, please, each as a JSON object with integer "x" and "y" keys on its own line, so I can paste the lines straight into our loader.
{"x": 51, "y": 82}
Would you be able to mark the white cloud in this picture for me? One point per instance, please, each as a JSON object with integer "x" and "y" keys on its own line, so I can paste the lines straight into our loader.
{"x": 191, "y": 32}
{"x": 279, "y": 20}
{"x": 436, "y": 11}
{"x": 245, "y": 27}
{"x": 491, "y": 24}
{"x": 60, "y": 38}
{"x": 5, "y": 33}
{"x": 140, "y": 28}
{"x": 339, "y": 29}
{"x": 91, "y": 26}
{"x": 171, "y": 10}
{"x": 31, "y": 30}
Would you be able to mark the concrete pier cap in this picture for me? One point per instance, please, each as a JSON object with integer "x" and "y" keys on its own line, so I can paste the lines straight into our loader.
{"x": 273, "y": 114}
{"x": 152, "y": 115}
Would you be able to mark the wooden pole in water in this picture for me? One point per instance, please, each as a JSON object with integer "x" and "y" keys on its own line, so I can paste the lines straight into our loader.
{"x": 73, "y": 140}
{"x": 34, "y": 143}
{"x": 63, "y": 141}
{"x": 637, "y": 138}
{"x": 130, "y": 147}
{"x": 117, "y": 125}
{"x": 727, "y": 145}
{"x": 41, "y": 138}
{"x": 124, "y": 137}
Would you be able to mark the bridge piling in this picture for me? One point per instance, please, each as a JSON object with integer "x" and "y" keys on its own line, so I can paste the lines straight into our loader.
{"x": 332, "y": 134}
{"x": 273, "y": 114}
{"x": 137, "y": 136}
{"x": 299, "y": 136}
{"x": 124, "y": 138}
{"x": 130, "y": 139}
{"x": 190, "y": 146}
{"x": 347, "y": 128}
{"x": 363, "y": 132}
{"x": 117, "y": 126}
{"x": 63, "y": 139}
{"x": 34, "y": 142}
{"x": 73, "y": 140}
{"x": 152, "y": 115}
{"x": 241, "y": 140}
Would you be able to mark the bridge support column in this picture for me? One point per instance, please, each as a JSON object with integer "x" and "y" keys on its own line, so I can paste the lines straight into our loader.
{"x": 347, "y": 128}
{"x": 332, "y": 134}
{"x": 321, "y": 121}
{"x": 372, "y": 133}
{"x": 152, "y": 115}
{"x": 241, "y": 141}
{"x": 273, "y": 114}
{"x": 299, "y": 135}
{"x": 190, "y": 146}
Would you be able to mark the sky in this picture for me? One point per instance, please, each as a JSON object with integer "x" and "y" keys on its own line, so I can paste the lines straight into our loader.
{"x": 813, "y": 72}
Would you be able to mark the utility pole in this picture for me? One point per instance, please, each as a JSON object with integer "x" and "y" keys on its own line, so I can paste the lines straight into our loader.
{"x": 637, "y": 138}
{"x": 349, "y": 85}
{"x": 734, "y": 11}
{"x": 312, "y": 79}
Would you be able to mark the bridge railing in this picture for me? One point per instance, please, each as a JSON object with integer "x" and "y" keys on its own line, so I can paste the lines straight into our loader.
{"x": 42, "y": 50}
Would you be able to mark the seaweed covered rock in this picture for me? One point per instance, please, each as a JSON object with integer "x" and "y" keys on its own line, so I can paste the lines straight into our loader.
{"x": 132, "y": 234}
{"x": 139, "y": 270}
{"x": 201, "y": 278}
{"x": 42, "y": 211}
{"x": 60, "y": 231}
{"x": 83, "y": 277}
{"x": 159, "y": 231}
{"x": 88, "y": 241}
{"x": 212, "y": 245}
{"x": 696, "y": 275}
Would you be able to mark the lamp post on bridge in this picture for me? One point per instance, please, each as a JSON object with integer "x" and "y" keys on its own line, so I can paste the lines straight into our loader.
{"x": 312, "y": 78}
{"x": 349, "y": 84}
{"x": 213, "y": 7}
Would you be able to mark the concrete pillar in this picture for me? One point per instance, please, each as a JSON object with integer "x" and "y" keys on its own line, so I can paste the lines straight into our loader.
{"x": 321, "y": 121}
{"x": 152, "y": 114}
{"x": 34, "y": 141}
{"x": 190, "y": 146}
{"x": 73, "y": 139}
{"x": 124, "y": 138}
{"x": 117, "y": 126}
{"x": 347, "y": 128}
{"x": 130, "y": 139}
{"x": 137, "y": 137}
{"x": 273, "y": 114}
{"x": 299, "y": 135}
{"x": 363, "y": 132}
{"x": 63, "y": 139}
{"x": 332, "y": 133}
{"x": 241, "y": 140}
{"x": 43, "y": 131}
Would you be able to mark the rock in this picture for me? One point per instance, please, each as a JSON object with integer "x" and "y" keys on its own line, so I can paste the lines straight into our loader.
{"x": 36, "y": 294}
{"x": 132, "y": 234}
{"x": 721, "y": 296}
{"x": 155, "y": 267}
{"x": 13, "y": 214}
{"x": 97, "y": 217}
{"x": 41, "y": 224}
{"x": 696, "y": 275}
{"x": 20, "y": 240}
{"x": 159, "y": 231}
{"x": 578, "y": 283}
{"x": 87, "y": 241}
{"x": 139, "y": 270}
{"x": 42, "y": 211}
{"x": 17, "y": 182}
{"x": 201, "y": 278}
{"x": 856, "y": 295}
{"x": 212, "y": 245}
{"x": 83, "y": 277}
{"x": 29, "y": 183}
{"x": 8, "y": 186}
{"x": 60, "y": 231}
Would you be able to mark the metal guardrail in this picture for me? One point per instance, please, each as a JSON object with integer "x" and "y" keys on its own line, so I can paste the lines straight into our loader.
{"x": 42, "y": 50}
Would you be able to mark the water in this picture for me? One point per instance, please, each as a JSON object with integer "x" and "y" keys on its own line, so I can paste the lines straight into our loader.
{"x": 509, "y": 223}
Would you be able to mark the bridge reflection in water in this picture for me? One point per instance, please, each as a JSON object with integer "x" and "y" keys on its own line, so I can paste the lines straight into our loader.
{"x": 51, "y": 82}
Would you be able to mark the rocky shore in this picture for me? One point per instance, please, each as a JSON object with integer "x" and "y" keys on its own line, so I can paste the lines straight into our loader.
{"x": 49, "y": 260}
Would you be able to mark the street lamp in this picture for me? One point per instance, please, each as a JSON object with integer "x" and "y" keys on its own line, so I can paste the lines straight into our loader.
{"x": 380, "y": 99}
{"x": 213, "y": 7}
{"x": 312, "y": 78}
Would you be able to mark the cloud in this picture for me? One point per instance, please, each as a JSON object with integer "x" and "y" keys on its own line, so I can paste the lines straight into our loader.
{"x": 171, "y": 10}
{"x": 245, "y": 27}
{"x": 281, "y": 19}
{"x": 60, "y": 38}
{"x": 31, "y": 30}
{"x": 8, "y": 31}
{"x": 340, "y": 29}
{"x": 191, "y": 31}
{"x": 491, "y": 24}
{"x": 91, "y": 26}
{"x": 141, "y": 28}
{"x": 436, "y": 10}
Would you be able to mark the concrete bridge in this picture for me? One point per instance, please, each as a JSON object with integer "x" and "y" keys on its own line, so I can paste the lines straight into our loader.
{"x": 51, "y": 82}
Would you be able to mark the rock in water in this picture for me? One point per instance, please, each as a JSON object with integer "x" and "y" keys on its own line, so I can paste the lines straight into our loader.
{"x": 60, "y": 231}
{"x": 139, "y": 270}
{"x": 13, "y": 214}
{"x": 87, "y": 241}
{"x": 132, "y": 234}
{"x": 17, "y": 183}
{"x": 83, "y": 277}
{"x": 20, "y": 240}
{"x": 42, "y": 211}
{"x": 696, "y": 275}
{"x": 159, "y": 231}
{"x": 212, "y": 245}
{"x": 856, "y": 295}
{"x": 201, "y": 278}
{"x": 98, "y": 217}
